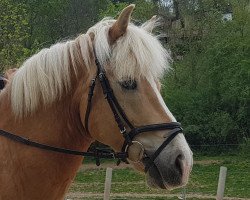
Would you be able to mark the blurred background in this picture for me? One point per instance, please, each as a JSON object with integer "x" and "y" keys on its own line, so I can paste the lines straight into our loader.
{"x": 208, "y": 90}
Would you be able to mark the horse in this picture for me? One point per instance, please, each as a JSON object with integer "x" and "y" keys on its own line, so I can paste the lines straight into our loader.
{"x": 50, "y": 100}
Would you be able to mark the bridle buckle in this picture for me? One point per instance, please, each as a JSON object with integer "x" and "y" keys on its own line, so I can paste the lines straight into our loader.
{"x": 113, "y": 155}
{"x": 123, "y": 131}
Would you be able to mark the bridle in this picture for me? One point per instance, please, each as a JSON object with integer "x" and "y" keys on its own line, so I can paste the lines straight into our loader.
{"x": 122, "y": 122}
{"x": 2, "y": 84}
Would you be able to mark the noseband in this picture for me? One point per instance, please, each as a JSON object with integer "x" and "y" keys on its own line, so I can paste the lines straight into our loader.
{"x": 123, "y": 122}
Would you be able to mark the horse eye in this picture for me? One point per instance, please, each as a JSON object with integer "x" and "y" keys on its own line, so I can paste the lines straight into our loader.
{"x": 129, "y": 84}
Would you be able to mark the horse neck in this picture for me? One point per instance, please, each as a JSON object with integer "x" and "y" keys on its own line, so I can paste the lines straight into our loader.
{"x": 58, "y": 125}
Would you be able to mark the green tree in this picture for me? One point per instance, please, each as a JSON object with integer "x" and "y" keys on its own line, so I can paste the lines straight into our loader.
{"x": 14, "y": 32}
{"x": 54, "y": 20}
{"x": 144, "y": 10}
{"x": 209, "y": 89}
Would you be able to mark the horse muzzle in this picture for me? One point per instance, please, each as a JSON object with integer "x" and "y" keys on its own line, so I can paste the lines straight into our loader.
{"x": 169, "y": 171}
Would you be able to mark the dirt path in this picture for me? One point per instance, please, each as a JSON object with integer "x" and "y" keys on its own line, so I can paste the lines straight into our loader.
{"x": 125, "y": 196}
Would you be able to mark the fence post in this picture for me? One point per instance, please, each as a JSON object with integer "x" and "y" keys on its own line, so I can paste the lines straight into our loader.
{"x": 183, "y": 194}
{"x": 107, "y": 183}
{"x": 221, "y": 183}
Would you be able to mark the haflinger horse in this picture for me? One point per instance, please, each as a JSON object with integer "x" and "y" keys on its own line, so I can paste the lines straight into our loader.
{"x": 50, "y": 100}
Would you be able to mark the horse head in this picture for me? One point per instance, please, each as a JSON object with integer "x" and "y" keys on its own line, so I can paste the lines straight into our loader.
{"x": 133, "y": 61}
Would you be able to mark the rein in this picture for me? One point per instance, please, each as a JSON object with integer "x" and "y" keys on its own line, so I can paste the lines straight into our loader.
{"x": 97, "y": 154}
{"x": 122, "y": 122}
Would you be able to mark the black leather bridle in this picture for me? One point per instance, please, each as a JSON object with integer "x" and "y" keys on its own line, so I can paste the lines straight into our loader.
{"x": 122, "y": 122}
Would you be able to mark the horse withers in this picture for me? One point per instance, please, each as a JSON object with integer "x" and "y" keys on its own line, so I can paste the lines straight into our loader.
{"x": 51, "y": 100}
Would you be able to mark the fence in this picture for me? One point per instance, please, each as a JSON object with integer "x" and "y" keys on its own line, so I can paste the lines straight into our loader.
{"x": 127, "y": 184}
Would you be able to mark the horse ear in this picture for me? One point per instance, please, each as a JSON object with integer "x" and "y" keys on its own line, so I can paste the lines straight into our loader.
{"x": 150, "y": 24}
{"x": 121, "y": 24}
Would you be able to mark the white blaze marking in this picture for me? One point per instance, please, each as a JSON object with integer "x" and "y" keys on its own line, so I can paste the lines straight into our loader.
{"x": 180, "y": 141}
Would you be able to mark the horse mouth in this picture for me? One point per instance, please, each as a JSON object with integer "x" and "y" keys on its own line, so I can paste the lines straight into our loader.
{"x": 166, "y": 178}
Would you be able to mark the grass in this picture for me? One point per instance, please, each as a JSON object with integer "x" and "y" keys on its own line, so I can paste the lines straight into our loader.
{"x": 203, "y": 180}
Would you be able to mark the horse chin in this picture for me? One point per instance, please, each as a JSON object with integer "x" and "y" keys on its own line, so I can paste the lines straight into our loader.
{"x": 156, "y": 179}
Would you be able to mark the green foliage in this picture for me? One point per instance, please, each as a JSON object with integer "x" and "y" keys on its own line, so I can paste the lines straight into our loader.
{"x": 244, "y": 147}
{"x": 30, "y": 25}
{"x": 14, "y": 32}
{"x": 144, "y": 10}
{"x": 112, "y": 10}
{"x": 209, "y": 90}
{"x": 54, "y": 20}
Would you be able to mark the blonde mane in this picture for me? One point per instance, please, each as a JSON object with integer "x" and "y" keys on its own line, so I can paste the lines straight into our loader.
{"x": 46, "y": 76}
{"x": 137, "y": 53}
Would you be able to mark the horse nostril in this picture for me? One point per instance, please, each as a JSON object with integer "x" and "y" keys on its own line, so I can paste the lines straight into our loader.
{"x": 179, "y": 163}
